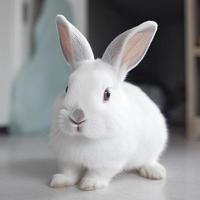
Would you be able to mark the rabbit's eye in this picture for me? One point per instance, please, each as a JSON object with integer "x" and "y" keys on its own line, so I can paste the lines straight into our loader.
{"x": 66, "y": 89}
{"x": 106, "y": 95}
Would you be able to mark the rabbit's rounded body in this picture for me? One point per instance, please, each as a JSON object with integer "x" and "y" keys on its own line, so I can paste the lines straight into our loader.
{"x": 103, "y": 124}
{"x": 147, "y": 126}
{"x": 140, "y": 136}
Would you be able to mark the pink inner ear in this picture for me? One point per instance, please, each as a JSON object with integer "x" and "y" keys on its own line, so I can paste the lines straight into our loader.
{"x": 65, "y": 42}
{"x": 135, "y": 48}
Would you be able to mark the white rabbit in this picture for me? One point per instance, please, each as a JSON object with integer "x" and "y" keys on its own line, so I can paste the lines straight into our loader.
{"x": 104, "y": 125}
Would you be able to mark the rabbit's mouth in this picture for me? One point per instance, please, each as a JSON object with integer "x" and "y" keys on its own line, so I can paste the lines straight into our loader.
{"x": 78, "y": 125}
{"x": 75, "y": 122}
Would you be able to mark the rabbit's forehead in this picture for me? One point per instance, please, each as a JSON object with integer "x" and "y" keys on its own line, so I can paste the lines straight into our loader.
{"x": 92, "y": 75}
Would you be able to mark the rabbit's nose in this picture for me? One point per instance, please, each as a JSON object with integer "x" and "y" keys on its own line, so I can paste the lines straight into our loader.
{"x": 77, "y": 115}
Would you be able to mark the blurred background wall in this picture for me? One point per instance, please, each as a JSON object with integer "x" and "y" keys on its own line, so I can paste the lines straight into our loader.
{"x": 16, "y": 20}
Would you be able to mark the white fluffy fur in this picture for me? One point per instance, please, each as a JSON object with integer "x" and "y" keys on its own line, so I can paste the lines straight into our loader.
{"x": 127, "y": 132}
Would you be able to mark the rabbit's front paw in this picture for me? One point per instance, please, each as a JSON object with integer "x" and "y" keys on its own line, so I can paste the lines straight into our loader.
{"x": 93, "y": 183}
{"x": 155, "y": 171}
{"x": 60, "y": 180}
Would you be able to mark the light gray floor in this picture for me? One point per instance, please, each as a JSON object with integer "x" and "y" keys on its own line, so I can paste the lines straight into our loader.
{"x": 26, "y": 164}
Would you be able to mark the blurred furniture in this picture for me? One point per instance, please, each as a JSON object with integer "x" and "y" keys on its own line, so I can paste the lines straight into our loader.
{"x": 43, "y": 77}
{"x": 15, "y": 41}
{"x": 19, "y": 107}
{"x": 192, "y": 54}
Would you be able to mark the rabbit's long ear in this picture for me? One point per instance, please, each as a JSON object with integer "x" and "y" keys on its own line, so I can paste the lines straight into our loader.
{"x": 127, "y": 50}
{"x": 74, "y": 45}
